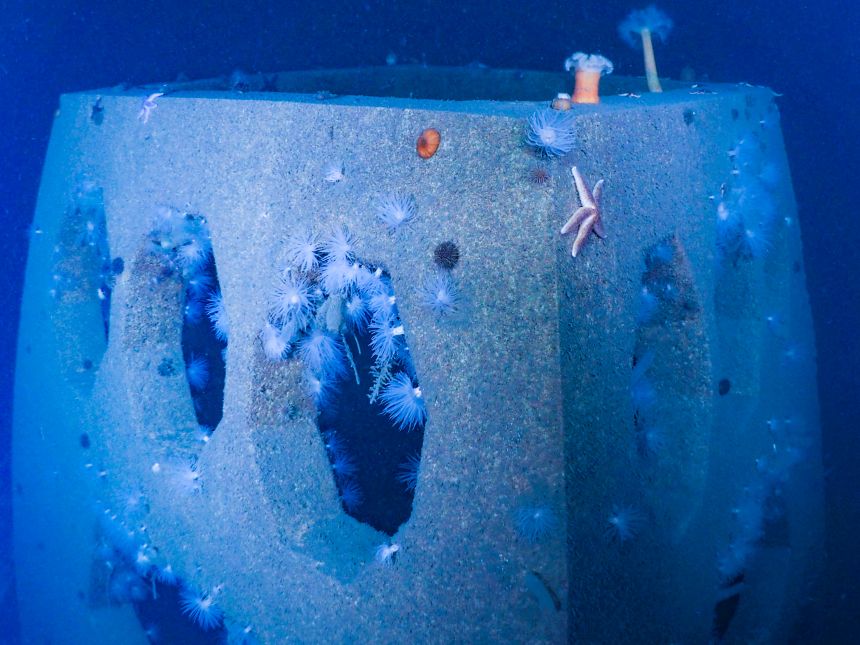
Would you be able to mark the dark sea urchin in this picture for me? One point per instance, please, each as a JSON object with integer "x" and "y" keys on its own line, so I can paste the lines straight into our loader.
{"x": 446, "y": 255}
{"x": 539, "y": 175}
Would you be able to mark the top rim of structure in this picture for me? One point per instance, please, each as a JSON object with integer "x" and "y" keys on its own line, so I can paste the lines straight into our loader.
{"x": 417, "y": 82}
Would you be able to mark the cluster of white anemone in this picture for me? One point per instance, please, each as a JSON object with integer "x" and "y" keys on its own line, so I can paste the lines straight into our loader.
{"x": 326, "y": 293}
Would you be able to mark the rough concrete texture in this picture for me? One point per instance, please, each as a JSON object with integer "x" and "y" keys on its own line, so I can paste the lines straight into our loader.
{"x": 528, "y": 391}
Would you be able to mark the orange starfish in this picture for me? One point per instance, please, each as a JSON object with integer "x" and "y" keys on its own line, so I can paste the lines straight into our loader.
{"x": 587, "y": 218}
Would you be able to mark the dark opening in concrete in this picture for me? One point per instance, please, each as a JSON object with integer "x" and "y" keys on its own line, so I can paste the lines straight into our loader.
{"x": 204, "y": 346}
{"x": 181, "y": 244}
{"x": 374, "y": 455}
{"x": 375, "y": 464}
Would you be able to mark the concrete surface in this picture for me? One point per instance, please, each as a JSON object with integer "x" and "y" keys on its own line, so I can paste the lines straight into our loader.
{"x": 528, "y": 392}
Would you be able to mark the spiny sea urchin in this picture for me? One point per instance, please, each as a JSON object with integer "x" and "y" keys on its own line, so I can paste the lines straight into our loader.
{"x": 539, "y": 175}
{"x": 446, "y": 255}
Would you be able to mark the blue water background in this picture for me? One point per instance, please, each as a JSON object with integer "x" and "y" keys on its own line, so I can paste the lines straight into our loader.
{"x": 809, "y": 51}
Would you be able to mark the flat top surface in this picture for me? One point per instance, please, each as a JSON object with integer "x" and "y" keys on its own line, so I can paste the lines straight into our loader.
{"x": 468, "y": 89}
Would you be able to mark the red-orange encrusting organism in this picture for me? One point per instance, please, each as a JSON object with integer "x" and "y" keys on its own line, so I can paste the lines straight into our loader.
{"x": 428, "y": 143}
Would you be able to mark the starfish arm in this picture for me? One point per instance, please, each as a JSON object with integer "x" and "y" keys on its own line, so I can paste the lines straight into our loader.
{"x": 582, "y": 234}
{"x": 597, "y": 193}
{"x": 576, "y": 219}
{"x": 585, "y": 196}
{"x": 599, "y": 231}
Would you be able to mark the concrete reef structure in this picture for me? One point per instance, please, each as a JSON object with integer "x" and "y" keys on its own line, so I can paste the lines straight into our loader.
{"x": 619, "y": 447}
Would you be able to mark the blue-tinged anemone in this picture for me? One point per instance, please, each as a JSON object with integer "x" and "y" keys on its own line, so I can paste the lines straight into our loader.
{"x": 342, "y": 464}
{"x": 385, "y": 554}
{"x": 293, "y": 302}
{"x": 770, "y": 175}
{"x": 127, "y": 586}
{"x": 396, "y": 209}
{"x": 625, "y": 523}
{"x": 386, "y": 336}
{"x": 302, "y": 250}
{"x": 441, "y": 294}
{"x": 641, "y": 391}
{"x": 535, "y": 522}
{"x": 370, "y": 283}
{"x": 166, "y": 575}
{"x": 407, "y": 472}
{"x": 339, "y": 245}
{"x": 217, "y": 312}
{"x": 355, "y": 312}
{"x": 332, "y": 442}
{"x": 729, "y": 225}
{"x": 649, "y": 440}
{"x": 197, "y": 372}
{"x": 198, "y": 285}
{"x": 351, "y": 495}
{"x": 338, "y": 276}
{"x": 757, "y": 240}
{"x": 322, "y": 353}
{"x": 551, "y": 132}
{"x": 201, "y": 608}
{"x": 381, "y": 305}
{"x": 193, "y": 310}
{"x": 275, "y": 342}
{"x": 319, "y": 388}
{"x": 404, "y": 402}
{"x": 194, "y": 252}
{"x": 143, "y": 560}
{"x": 756, "y": 201}
{"x": 183, "y": 477}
